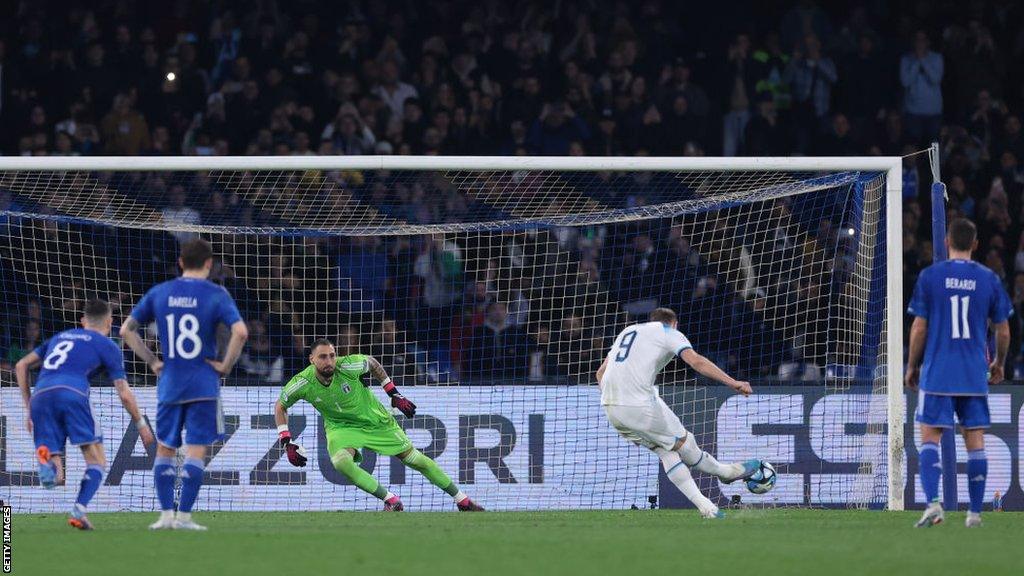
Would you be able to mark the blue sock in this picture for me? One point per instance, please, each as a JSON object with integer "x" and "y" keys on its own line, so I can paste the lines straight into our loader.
{"x": 91, "y": 481}
{"x": 190, "y": 483}
{"x": 977, "y": 470}
{"x": 164, "y": 476}
{"x": 930, "y": 469}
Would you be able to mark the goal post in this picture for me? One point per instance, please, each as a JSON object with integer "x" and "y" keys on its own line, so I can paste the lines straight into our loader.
{"x": 797, "y": 259}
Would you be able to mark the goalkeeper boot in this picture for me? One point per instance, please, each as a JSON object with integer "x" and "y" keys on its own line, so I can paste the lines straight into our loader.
{"x": 973, "y": 520}
{"x": 393, "y": 504}
{"x": 78, "y": 519}
{"x": 933, "y": 516}
{"x": 750, "y": 467}
{"x": 47, "y": 469}
{"x": 467, "y": 505}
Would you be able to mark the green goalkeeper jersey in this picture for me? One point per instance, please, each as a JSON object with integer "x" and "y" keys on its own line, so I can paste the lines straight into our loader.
{"x": 345, "y": 402}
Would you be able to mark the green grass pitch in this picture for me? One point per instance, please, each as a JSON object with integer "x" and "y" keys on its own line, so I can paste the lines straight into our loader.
{"x": 641, "y": 542}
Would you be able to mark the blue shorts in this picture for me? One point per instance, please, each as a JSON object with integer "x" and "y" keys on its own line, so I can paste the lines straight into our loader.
{"x": 202, "y": 420}
{"x": 62, "y": 414}
{"x": 937, "y": 410}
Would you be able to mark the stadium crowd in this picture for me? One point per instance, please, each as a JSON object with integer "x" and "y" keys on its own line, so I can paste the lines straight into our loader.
{"x": 568, "y": 78}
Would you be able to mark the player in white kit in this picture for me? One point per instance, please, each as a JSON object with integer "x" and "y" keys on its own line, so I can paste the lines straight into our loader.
{"x": 631, "y": 402}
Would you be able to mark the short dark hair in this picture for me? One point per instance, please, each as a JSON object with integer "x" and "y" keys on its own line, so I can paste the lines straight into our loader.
{"x": 96, "y": 310}
{"x": 320, "y": 342}
{"x": 195, "y": 253}
{"x": 663, "y": 315}
{"x": 962, "y": 234}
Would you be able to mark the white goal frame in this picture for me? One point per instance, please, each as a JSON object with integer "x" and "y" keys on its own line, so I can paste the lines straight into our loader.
{"x": 892, "y": 166}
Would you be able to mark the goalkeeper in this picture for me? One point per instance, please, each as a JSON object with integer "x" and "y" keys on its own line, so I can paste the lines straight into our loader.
{"x": 354, "y": 419}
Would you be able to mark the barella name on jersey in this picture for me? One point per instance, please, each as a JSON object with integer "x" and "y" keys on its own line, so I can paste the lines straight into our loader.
{"x": 182, "y": 302}
{"x": 961, "y": 284}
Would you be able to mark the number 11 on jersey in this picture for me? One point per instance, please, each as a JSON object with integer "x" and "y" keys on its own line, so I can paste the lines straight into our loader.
{"x": 958, "y": 317}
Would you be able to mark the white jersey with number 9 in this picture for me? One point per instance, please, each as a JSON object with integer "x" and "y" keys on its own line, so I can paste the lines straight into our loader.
{"x": 638, "y": 355}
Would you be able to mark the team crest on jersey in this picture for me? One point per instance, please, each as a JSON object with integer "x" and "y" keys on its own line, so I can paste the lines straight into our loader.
{"x": 346, "y": 388}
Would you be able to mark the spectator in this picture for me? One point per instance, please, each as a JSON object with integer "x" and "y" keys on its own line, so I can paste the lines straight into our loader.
{"x": 921, "y": 73}
{"x": 124, "y": 131}
{"x": 30, "y": 338}
{"x": 349, "y": 134}
{"x": 439, "y": 267}
{"x": 838, "y": 141}
{"x": 765, "y": 135}
{"x": 497, "y": 349}
{"x": 677, "y": 81}
{"x": 557, "y": 126}
{"x": 866, "y": 85}
{"x": 177, "y": 212}
{"x": 258, "y": 360}
{"x": 811, "y": 78}
{"x": 739, "y": 87}
{"x": 393, "y": 91}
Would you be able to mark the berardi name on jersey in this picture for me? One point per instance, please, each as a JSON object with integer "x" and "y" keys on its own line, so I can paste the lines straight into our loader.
{"x": 961, "y": 284}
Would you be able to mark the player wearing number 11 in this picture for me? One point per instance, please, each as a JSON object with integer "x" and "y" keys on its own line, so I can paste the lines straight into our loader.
{"x": 187, "y": 311}
{"x": 954, "y": 301}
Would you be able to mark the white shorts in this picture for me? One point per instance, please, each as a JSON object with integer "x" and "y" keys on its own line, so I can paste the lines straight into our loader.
{"x": 652, "y": 426}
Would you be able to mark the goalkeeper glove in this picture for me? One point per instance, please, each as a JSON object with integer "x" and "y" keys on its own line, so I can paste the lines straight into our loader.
{"x": 296, "y": 453}
{"x": 404, "y": 405}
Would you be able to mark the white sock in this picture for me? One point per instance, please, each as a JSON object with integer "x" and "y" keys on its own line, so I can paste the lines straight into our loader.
{"x": 679, "y": 474}
{"x": 167, "y": 515}
{"x": 184, "y": 516}
{"x": 459, "y": 496}
{"x": 692, "y": 455}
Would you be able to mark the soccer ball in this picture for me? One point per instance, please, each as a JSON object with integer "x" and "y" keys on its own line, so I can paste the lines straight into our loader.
{"x": 763, "y": 480}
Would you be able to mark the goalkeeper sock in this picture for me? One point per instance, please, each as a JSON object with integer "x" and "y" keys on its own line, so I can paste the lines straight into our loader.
{"x": 692, "y": 455}
{"x": 164, "y": 476}
{"x": 90, "y": 484}
{"x": 930, "y": 469}
{"x": 977, "y": 470}
{"x": 346, "y": 464}
{"x": 192, "y": 479}
{"x": 680, "y": 476}
{"x": 424, "y": 465}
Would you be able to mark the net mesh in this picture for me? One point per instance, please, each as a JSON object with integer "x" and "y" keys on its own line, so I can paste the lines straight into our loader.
{"x": 493, "y": 296}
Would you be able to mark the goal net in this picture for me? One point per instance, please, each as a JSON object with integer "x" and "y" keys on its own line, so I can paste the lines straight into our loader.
{"x": 491, "y": 294}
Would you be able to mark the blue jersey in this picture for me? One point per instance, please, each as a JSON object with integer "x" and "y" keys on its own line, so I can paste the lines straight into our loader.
{"x": 958, "y": 298}
{"x": 73, "y": 356}
{"x": 187, "y": 312}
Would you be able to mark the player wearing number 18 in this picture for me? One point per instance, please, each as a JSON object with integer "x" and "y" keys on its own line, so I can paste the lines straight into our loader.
{"x": 187, "y": 311}
{"x": 954, "y": 302}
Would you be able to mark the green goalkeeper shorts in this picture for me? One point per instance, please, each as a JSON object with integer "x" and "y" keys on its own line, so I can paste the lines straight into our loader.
{"x": 388, "y": 440}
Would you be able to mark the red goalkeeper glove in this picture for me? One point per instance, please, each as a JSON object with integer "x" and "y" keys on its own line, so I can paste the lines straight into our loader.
{"x": 404, "y": 405}
{"x": 296, "y": 453}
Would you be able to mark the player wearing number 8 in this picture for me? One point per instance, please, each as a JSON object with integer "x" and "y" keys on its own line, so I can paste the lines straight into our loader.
{"x": 60, "y": 410}
{"x": 186, "y": 311}
{"x": 953, "y": 303}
